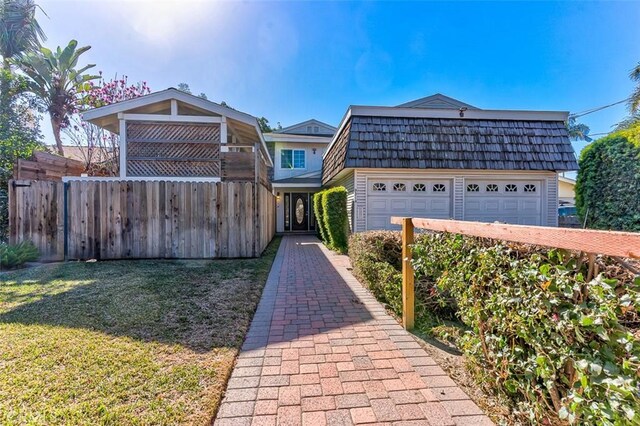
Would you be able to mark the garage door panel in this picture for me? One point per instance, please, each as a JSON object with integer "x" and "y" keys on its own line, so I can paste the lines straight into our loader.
{"x": 378, "y": 205}
{"x": 412, "y": 197}
{"x": 518, "y": 202}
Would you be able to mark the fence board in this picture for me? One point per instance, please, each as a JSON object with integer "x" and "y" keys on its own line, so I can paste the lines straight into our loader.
{"x": 134, "y": 219}
{"x": 611, "y": 243}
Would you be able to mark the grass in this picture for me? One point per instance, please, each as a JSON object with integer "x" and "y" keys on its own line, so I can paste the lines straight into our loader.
{"x": 123, "y": 342}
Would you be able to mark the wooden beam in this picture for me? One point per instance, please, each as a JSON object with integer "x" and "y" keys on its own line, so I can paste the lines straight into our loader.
{"x": 123, "y": 148}
{"x": 408, "y": 288}
{"x": 174, "y": 107}
{"x": 223, "y": 130}
{"x": 610, "y": 243}
{"x": 171, "y": 118}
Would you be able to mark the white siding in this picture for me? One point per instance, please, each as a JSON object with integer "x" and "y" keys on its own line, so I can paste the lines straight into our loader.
{"x": 458, "y": 197}
{"x": 313, "y": 162}
{"x": 552, "y": 200}
{"x": 348, "y": 182}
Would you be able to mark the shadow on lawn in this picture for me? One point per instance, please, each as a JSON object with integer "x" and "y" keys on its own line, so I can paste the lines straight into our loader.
{"x": 200, "y": 305}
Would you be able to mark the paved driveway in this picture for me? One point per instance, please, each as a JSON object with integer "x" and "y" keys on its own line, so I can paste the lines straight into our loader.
{"x": 321, "y": 350}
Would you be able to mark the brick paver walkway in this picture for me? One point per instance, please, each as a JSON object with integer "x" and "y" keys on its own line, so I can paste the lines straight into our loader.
{"x": 321, "y": 350}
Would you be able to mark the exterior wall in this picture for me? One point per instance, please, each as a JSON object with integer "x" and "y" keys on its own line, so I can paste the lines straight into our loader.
{"x": 348, "y": 181}
{"x": 313, "y": 162}
{"x": 549, "y": 190}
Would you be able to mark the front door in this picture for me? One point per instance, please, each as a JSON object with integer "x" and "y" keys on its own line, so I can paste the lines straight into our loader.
{"x": 299, "y": 211}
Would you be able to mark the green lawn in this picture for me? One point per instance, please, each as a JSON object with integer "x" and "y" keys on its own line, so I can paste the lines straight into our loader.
{"x": 123, "y": 342}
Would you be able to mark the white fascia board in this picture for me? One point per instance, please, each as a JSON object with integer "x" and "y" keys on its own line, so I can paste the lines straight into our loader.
{"x": 296, "y": 185}
{"x": 280, "y": 137}
{"x": 479, "y": 114}
{"x": 165, "y": 95}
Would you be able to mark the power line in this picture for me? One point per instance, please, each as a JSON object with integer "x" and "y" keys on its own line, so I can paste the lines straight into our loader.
{"x": 589, "y": 111}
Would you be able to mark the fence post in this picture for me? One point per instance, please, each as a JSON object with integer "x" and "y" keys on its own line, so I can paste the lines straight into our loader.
{"x": 408, "y": 297}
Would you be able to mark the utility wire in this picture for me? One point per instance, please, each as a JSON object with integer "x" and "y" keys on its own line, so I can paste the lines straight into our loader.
{"x": 589, "y": 111}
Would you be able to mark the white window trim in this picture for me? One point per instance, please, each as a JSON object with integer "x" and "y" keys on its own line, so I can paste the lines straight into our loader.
{"x": 293, "y": 151}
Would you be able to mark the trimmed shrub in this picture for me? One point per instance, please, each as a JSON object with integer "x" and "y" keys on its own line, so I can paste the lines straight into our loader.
{"x": 336, "y": 222}
{"x": 539, "y": 332}
{"x": 319, "y": 214}
{"x": 536, "y": 330}
{"x": 13, "y": 256}
{"x": 608, "y": 182}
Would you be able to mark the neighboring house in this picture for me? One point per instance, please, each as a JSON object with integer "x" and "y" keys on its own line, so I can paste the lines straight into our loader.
{"x": 438, "y": 157}
{"x": 566, "y": 191}
{"x": 297, "y": 151}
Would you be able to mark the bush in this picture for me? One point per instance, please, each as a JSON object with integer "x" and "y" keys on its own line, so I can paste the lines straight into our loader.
{"x": 336, "y": 222}
{"x": 537, "y": 331}
{"x": 608, "y": 182}
{"x": 319, "y": 214}
{"x": 13, "y": 256}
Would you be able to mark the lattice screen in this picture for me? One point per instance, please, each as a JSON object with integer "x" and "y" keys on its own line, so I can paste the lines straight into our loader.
{"x": 173, "y": 149}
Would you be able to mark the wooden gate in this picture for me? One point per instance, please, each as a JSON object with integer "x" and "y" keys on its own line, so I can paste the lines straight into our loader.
{"x": 36, "y": 211}
{"x": 117, "y": 219}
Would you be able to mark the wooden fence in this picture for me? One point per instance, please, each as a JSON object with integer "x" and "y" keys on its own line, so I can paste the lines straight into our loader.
{"x": 116, "y": 219}
{"x": 45, "y": 166}
{"x": 610, "y": 243}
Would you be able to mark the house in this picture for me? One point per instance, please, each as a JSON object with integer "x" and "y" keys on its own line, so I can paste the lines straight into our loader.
{"x": 566, "y": 191}
{"x": 297, "y": 151}
{"x": 438, "y": 157}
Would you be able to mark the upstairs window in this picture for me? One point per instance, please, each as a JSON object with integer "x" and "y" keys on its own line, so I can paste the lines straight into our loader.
{"x": 292, "y": 159}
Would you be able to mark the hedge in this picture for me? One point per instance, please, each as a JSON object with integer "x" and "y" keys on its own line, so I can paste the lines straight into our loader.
{"x": 319, "y": 215}
{"x": 608, "y": 182}
{"x": 538, "y": 333}
{"x": 14, "y": 256}
{"x": 334, "y": 216}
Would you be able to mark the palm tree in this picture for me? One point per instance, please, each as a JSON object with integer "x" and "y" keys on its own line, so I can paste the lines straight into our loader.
{"x": 54, "y": 80}
{"x": 19, "y": 33}
{"x": 634, "y": 100}
{"x": 578, "y": 131}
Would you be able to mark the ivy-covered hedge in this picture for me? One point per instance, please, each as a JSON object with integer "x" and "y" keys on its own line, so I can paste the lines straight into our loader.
{"x": 318, "y": 211}
{"x": 538, "y": 332}
{"x": 14, "y": 256}
{"x": 608, "y": 182}
{"x": 332, "y": 219}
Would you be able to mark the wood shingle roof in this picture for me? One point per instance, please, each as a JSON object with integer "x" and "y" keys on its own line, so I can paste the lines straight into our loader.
{"x": 449, "y": 143}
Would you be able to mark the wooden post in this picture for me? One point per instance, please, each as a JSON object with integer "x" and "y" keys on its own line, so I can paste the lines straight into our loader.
{"x": 408, "y": 296}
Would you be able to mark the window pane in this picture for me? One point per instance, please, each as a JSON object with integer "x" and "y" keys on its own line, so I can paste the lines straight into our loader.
{"x": 286, "y": 158}
{"x": 298, "y": 159}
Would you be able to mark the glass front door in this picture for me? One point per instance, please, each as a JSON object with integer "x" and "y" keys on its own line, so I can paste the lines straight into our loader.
{"x": 299, "y": 212}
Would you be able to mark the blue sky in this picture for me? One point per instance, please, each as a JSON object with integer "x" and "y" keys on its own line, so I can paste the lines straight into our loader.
{"x": 290, "y": 61}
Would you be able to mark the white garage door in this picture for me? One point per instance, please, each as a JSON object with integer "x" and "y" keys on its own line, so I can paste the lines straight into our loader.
{"x": 518, "y": 202}
{"x": 406, "y": 197}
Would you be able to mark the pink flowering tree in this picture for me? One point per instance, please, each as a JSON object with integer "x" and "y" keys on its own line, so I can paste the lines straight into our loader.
{"x": 98, "y": 147}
